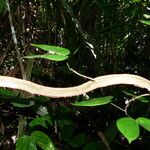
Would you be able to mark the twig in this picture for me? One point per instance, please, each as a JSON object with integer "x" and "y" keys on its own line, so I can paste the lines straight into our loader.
{"x": 15, "y": 41}
{"x": 118, "y": 107}
{"x": 102, "y": 137}
{"x": 133, "y": 99}
{"x": 81, "y": 75}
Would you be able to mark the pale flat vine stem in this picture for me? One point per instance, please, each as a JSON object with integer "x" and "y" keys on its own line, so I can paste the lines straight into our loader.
{"x": 15, "y": 40}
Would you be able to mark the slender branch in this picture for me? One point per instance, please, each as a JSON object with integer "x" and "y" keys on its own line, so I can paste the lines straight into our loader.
{"x": 81, "y": 75}
{"x": 117, "y": 107}
{"x": 133, "y": 99}
{"x": 15, "y": 41}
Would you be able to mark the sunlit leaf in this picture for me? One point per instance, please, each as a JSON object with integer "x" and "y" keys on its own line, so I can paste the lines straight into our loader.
{"x": 146, "y": 16}
{"x": 144, "y": 122}
{"x": 147, "y": 22}
{"x": 42, "y": 140}
{"x": 94, "y": 101}
{"x": 53, "y": 57}
{"x": 53, "y": 49}
{"x": 129, "y": 128}
{"x": 135, "y": 1}
{"x": 26, "y": 143}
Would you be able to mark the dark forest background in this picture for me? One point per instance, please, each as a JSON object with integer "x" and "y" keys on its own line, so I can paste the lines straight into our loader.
{"x": 104, "y": 37}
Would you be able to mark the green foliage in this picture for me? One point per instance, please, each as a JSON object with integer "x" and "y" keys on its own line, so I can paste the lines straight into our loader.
{"x": 42, "y": 140}
{"x": 8, "y": 93}
{"x": 144, "y": 122}
{"x": 146, "y": 22}
{"x": 77, "y": 141}
{"x": 95, "y": 101}
{"x": 44, "y": 121}
{"x": 49, "y": 56}
{"x": 55, "y": 53}
{"x": 37, "y": 137}
{"x": 103, "y": 37}
{"x": 26, "y": 143}
{"x": 129, "y": 128}
{"x": 2, "y": 5}
{"x": 53, "y": 49}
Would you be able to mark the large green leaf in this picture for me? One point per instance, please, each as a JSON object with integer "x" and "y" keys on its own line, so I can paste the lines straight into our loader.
{"x": 54, "y": 57}
{"x": 94, "y": 101}
{"x": 144, "y": 122}
{"x": 25, "y": 143}
{"x": 129, "y": 128}
{"x": 53, "y": 49}
{"x": 42, "y": 140}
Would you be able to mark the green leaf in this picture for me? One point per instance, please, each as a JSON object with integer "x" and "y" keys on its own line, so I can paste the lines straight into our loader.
{"x": 42, "y": 140}
{"x": 129, "y": 93}
{"x": 144, "y": 99}
{"x": 146, "y": 16}
{"x": 23, "y": 104}
{"x": 48, "y": 56}
{"x": 129, "y": 128}
{"x": 94, "y": 101}
{"x": 7, "y": 92}
{"x": 136, "y": 1}
{"x": 144, "y": 122}
{"x": 147, "y": 22}
{"x": 48, "y": 119}
{"x": 77, "y": 141}
{"x": 53, "y": 49}
{"x": 25, "y": 143}
{"x": 44, "y": 121}
{"x": 38, "y": 121}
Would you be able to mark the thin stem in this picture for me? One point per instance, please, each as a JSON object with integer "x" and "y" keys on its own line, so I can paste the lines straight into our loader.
{"x": 15, "y": 41}
{"x": 81, "y": 75}
{"x": 118, "y": 107}
{"x": 133, "y": 99}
